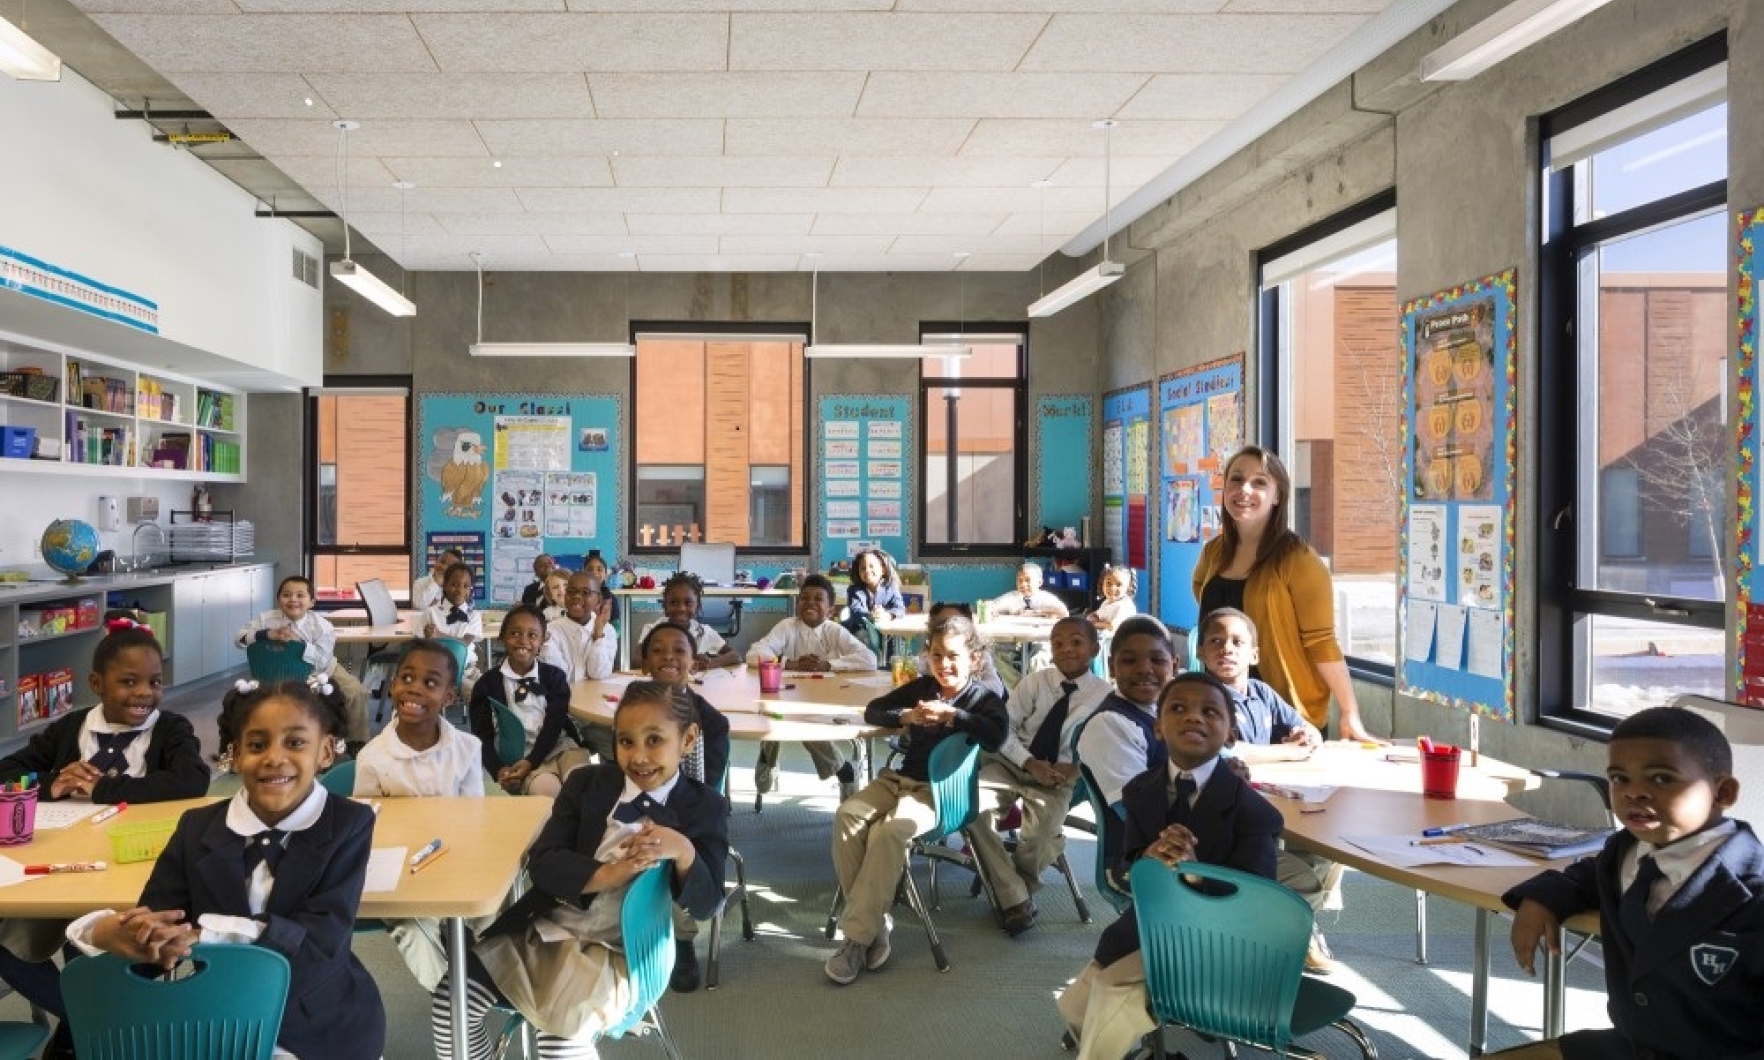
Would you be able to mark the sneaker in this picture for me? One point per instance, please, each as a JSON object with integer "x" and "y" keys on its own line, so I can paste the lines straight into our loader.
{"x": 1318, "y": 959}
{"x": 1020, "y": 917}
{"x": 685, "y": 978}
{"x": 876, "y": 954}
{"x": 847, "y": 962}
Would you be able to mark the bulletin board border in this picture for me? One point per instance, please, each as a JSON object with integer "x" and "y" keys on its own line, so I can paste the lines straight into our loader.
{"x": 1749, "y": 234}
{"x": 1503, "y": 287}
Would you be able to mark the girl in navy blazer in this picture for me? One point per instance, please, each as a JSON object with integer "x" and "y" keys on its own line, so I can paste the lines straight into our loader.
{"x": 556, "y": 955}
{"x": 281, "y": 864}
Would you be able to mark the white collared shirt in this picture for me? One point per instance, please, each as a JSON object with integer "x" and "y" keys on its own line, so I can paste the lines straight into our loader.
{"x": 832, "y": 642}
{"x": 134, "y": 755}
{"x": 318, "y": 637}
{"x": 1200, "y": 774}
{"x": 473, "y": 626}
{"x": 1678, "y": 861}
{"x": 391, "y": 768}
{"x": 573, "y": 648}
{"x": 1032, "y": 700}
{"x": 709, "y": 641}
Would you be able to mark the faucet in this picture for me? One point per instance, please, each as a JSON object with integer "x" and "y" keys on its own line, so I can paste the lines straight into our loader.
{"x": 135, "y": 562}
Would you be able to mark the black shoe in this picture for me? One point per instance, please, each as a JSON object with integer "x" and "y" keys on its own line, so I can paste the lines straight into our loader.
{"x": 685, "y": 978}
{"x": 60, "y": 1044}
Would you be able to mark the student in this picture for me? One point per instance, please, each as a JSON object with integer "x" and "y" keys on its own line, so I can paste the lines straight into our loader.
{"x": 873, "y": 829}
{"x": 1269, "y": 729}
{"x": 425, "y": 592}
{"x": 1185, "y": 809}
{"x": 595, "y": 566}
{"x": 1034, "y": 768}
{"x": 539, "y": 695}
{"x": 455, "y": 617}
{"x": 1116, "y": 585}
{"x": 555, "y": 955}
{"x": 294, "y": 620}
{"x": 682, "y": 594}
{"x": 874, "y": 591}
{"x": 668, "y": 653}
{"x": 810, "y": 642}
{"x": 534, "y": 593}
{"x": 583, "y": 643}
{"x": 1680, "y": 894}
{"x": 1119, "y": 740}
{"x": 557, "y": 584}
{"x": 985, "y": 673}
{"x": 281, "y": 865}
{"x": 1030, "y": 598}
{"x": 98, "y": 753}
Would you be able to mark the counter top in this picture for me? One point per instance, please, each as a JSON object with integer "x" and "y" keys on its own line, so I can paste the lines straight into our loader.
{"x": 40, "y": 590}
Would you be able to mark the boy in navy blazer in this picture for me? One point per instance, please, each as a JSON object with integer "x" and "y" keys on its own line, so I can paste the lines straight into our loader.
{"x": 1195, "y": 808}
{"x": 1680, "y": 894}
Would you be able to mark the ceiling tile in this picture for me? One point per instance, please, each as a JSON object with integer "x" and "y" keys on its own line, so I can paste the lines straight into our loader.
{"x": 174, "y": 44}
{"x": 438, "y": 201}
{"x": 719, "y": 224}
{"x": 1076, "y": 139}
{"x": 692, "y": 172}
{"x": 590, "y": 172}
{"x": 163, "y": 7}
{"x": 1002, "y": 262}
{"x": 513, "y": 139}
{"x": 1013, "y": 200}
{"x": 804, "y": 244}
{"x": 971, "y": 245}
{"x": 508, "y": 95}
{"x": 1217, "y": 97}
{"x": 996, "y": 95}
{"x": 1192, "y": 7}
{"x": 726, "y": 95}
{"x": 1127, "y": 174}
{"x": 545, "y": 262}
{"x": 856, "y": 224}
{"x": 232, "y": 96}
{"x": 1054, "y": 228}
{"x": 1228, "y": 44}
{"x": 492, "y": 247}
{"x": 847, "y": 136}
{"x": 1305, "y": 7}
{"x": 376, "y": 224}
{"x": 318, "y": 173}
{"x": 621, "y": 200}
{"x": 400, "y": 6}
{"x": 278, "y": 136}
{"x": 822, "y": 200}
{"x": 718, "y": 263}
{"x": 881, "y": 41}
{"x": 882, "y": 263}
{"x": 510, "y": 224}
{"x": 943, "y": 172}
{"x": 732, "y": 5}
{"x": 576, "y": 42}
{"x": 588, "y": 244}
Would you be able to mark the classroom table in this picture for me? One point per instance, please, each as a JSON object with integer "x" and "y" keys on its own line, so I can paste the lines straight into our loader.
{"x": 811, "y": 708}
{"x": 1376, "y": 796}
{"x": 488, "y": 837}
{"x": 1025, "y": 631}
{"x": 711, "y": 592}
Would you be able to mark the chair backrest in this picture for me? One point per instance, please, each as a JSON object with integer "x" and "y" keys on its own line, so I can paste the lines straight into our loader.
{"x": 1251, "y": 941}
{"x": 511, "y": 735}
{"x": 378, "y": 601}
{"x": 339, "y": 780}
{"x": 955, "y": 785}
{"x": 646, "y": 921}
{"x": 1108, "y": 826}
{"x": 228, "y": 1008}
{"x": 715, "y": 565}
{"x": 462, "y": 654}
{"x": 277, "y": 660}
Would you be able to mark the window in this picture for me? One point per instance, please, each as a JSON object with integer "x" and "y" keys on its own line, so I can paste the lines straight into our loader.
{"x": 971, "y": 451}
{"x": 1330, "y": 344}
{"x": 1633, "y": 442}
{"x": 720, "y": 446}
{"x": 358, "y": 522}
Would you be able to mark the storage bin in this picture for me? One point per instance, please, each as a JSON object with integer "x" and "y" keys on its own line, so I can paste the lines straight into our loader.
{"x": 142, "y": 841}
{"x": 18, "y": 442}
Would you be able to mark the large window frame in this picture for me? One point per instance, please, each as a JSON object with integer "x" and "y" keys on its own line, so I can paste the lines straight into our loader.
{"x": 315, "y": 518}
{"x": 932, "y": 403}
{"x": 1566, "y": 609}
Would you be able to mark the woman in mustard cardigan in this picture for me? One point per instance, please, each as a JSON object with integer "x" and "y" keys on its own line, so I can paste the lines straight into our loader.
{"x": 1259, "y": 566}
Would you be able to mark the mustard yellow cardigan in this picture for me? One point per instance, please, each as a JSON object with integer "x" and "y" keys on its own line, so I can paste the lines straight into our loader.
{"x": 1292, "y": 603}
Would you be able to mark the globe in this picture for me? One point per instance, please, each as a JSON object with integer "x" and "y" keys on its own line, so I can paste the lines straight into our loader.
{"x": 70, "y": 546}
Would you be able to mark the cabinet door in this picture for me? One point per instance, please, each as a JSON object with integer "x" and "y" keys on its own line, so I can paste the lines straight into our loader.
{"x": 187, "y": 630}
{"x": 227, "y": 609}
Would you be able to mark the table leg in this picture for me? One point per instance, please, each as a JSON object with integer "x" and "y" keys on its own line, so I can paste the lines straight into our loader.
{"x": 1479, "y": 986}
{"x": 1420, "y": 926}
{"x": 1555, "y": 988}
{"x": 456, "y": 972}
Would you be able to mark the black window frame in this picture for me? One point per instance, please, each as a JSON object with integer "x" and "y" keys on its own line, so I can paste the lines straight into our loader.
{"x": 1562, "y": 667}
{"x": 1019, "y": 386}
{"x": 309, "y": 473}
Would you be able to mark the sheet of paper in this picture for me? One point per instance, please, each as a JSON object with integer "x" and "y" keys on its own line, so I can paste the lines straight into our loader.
{"x": 1401, "y": 851}
{"x": 1418, "y": 638}
{"x": 12, "y": 872}
{"x": 1426, "y": 540}
{"x": 385, "y": 865}
{"x": 875, "y": 680}
{"x": 1486, "y": 629}
{"x": 53, "y": 815}
{"x": 1449, "y": 636}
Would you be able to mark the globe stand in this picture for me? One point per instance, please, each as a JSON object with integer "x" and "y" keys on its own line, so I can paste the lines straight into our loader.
{"x": 72, "y": 579}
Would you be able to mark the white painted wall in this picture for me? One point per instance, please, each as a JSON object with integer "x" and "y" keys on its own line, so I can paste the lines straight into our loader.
{"x": 33, "y": 501}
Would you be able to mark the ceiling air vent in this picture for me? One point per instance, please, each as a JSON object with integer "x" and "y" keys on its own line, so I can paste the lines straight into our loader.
{"x": 306, "y": 268}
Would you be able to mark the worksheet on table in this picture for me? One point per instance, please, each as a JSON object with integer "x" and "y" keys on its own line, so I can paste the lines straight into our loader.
{"x": 1401, "y": 852}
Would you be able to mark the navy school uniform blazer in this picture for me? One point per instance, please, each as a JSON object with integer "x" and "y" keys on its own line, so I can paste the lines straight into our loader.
{"x": 1233, "y": 826}
{"x": 1693, "y": 987}
{"x": 561, "y": 860}
{"x": 175, "y": 769}
{"x": 554, "y": 684}
{"x": 334, "y": 1009}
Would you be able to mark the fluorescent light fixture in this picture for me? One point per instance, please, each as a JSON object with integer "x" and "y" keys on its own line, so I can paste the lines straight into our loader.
{"x": 552, "y": 349}
{"x": 372, "y": 288}
{"x": 1078, "y": 288}
{"x": 1502, "y": 35}
{"x": 24, "y": 58}
{"x": 884, "y": 349}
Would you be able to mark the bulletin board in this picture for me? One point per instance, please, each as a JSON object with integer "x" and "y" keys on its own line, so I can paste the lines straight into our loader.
{"x": 1061, "y": 441}
{"x": 1455, "y": 575}
{"x": 531, "y": 473}
{"x": 863, "y": 462}
{"x": 1126, "y": 462}
{"x": 1748, "y": 650}
{"x": 1200, "y": 424}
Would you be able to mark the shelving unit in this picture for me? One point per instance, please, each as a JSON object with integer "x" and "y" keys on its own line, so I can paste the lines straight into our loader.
{"x": 1090, "y": 560}
{"x": 44, "y": 654}
{"x": 106, "y": 415}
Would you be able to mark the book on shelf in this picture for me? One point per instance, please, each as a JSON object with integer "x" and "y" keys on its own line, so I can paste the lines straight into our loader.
{"x": 173, "y": 451}
{"x": 1539, "y": 839}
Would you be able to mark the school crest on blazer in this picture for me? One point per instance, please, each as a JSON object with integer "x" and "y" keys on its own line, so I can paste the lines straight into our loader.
{"x": 1711, "y": 962}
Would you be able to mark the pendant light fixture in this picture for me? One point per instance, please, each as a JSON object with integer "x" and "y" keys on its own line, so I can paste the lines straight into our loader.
{"x": 354, "y": 276}
{"x": 544, "y": 349}
{"x": 22, "y": 57}
{"x": 868, "y": 349}
{"x": 1103, "y": 273}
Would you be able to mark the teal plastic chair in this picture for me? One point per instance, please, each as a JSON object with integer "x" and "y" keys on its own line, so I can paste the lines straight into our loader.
{"x": 1087, "y": 789}
{"x": 229, "y": 1006}
{"x": 339, "y": 780}
{"x": 511, "y": 735}
{"x": 732, "y": 892}
{"x": 277, "y": 660}
{"x": 955, "y": 797}
{"x": 20, "y": 1041}
{"x": 1250, "y": 933}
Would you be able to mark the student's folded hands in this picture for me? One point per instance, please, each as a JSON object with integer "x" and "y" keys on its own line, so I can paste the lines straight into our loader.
{"x": 141, "y": 934}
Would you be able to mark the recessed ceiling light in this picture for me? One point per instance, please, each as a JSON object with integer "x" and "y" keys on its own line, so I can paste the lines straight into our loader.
{"x": 404, "y": 185}
{"x": 307, "y": 101}
{"x": 496, "y": 163}
{"x": 1041, "y": 184}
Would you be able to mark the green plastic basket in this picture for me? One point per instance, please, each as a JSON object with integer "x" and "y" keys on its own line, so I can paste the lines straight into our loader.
{"x": 141, "y": 841}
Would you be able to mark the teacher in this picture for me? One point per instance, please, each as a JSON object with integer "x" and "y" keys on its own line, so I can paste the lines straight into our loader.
{"x": 1261, "y": 567}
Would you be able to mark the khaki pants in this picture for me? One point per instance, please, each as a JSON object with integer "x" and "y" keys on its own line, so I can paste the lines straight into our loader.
{"x": 355, "y": 703}
{"x": 1105, "y": 1008}
{"x": 1041, "y": 839}
{"x": 827, "y": 756}
{"x": 1313, "y": 878}
{"x": 872, "y": 832}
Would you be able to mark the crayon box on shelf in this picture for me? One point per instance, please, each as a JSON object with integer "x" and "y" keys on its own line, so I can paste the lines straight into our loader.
{"x": 29, "y": 700}
{"x": 57, "y": 692}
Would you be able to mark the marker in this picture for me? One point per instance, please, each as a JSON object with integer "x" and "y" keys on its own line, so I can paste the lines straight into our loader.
{"x": 67, "y": 866}
{"x": 427, "y": 861}
{"x": 1313, "y": 809}
{"x": 788, "y": 688}
{"x": 1447, "y": 829}
{"x": 1438, "y": 841}
{"x": 106, "y": 814}
{"x": 432, "y": 846}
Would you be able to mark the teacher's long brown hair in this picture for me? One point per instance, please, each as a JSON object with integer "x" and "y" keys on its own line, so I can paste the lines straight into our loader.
{"x": 1279, "y": 539}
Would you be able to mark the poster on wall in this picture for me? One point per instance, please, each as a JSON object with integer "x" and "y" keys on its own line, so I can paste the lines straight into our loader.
{"x": 1126, "y": 462}
{"x": 861, "y": 446}
{"x": 1747, "y": 645}
{"x": 1455, "y": 585}
{"x": 1200, "y": 419}
{"x": 1062, "y": 443}
{"x": 469, "y": 545}
{"x": 522, "y": 472}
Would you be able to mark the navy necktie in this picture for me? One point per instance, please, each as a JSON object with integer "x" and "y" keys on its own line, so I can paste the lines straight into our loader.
{"x": 112, "y": 756}
{"x": 265, "y": 846}
{"x": 1046, "y": 743}
{"x": 1632, "y": 911}
{"x": 458, "y": 614}
{"x": 524, "y": 687}
{"x": 1180, "y": 806}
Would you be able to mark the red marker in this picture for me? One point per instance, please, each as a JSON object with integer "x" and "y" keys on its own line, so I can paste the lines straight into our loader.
{"x": 104, "y": 815}
{"x": 70, "y": 866}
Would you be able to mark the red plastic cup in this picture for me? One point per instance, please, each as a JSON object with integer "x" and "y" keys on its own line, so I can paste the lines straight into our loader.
{"x": 1439, "y": 773}
{"x": 771, "y": 676}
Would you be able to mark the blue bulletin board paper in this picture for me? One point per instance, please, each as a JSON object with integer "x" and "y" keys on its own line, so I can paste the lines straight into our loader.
{"x": 1061, "y": 442}
{"x": 864, "y": 460}
{"x": 1200, "y": 424}
{"x": 1126, "y": 461}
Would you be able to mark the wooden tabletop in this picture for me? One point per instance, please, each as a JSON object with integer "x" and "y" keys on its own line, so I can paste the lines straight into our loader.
{"x": 486, "y": 838}
{"x": 812, "y": 707}
{"x": 1019, "y": 629}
